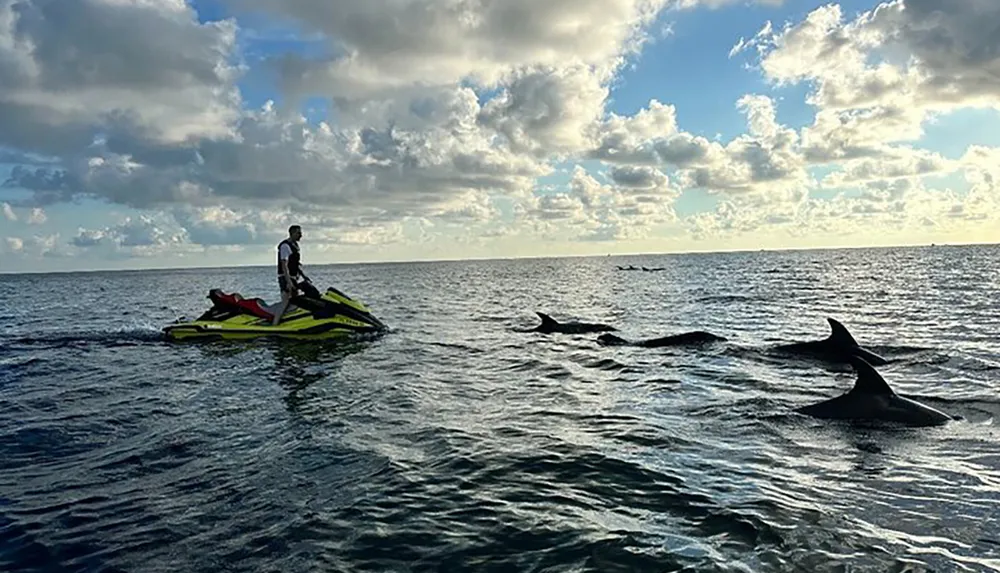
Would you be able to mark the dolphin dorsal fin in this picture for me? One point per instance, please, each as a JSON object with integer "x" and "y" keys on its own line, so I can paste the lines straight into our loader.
{"x": 840, "y": 335}
{"x": 869, "y": 380}
{"x": 546, "y": 319}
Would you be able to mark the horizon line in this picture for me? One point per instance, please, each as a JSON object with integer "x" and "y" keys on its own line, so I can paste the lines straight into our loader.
{"x": 508, "y": 258}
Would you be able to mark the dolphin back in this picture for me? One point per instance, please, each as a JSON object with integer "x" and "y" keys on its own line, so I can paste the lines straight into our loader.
{"x": 869, "y": 380}
{"x": 609, "y": 339}
{"x": 840, "y": 337}
{"x": 547, "y": 321}
{"x": 873, "y": 399}
{"x": 839, "y": 334}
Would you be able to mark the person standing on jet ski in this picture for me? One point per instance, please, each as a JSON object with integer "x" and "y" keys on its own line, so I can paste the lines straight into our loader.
{"x": 290, "y": 273}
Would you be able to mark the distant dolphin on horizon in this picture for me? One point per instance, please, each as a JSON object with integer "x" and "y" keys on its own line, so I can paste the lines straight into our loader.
{"x": 839, "y": 347}
{"x": 692, "y": 338}
{"x": 550, "y": 325}
{"x": 871, "y": 399}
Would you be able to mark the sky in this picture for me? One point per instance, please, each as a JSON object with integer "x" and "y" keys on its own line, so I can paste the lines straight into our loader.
{"x": 172, "y": 133}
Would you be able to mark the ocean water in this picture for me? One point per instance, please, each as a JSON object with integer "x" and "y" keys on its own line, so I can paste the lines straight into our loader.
{"x": 456, "y": 443}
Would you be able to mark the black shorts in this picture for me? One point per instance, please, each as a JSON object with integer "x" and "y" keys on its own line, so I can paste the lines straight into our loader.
{"x": 282, "y": 284}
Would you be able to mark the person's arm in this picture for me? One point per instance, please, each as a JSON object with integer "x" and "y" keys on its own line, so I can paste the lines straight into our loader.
{"x": 284, "y": 253}
{"x": 302, "y": 272}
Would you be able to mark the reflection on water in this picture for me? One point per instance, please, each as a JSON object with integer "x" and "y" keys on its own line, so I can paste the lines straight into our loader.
{"x": 299, "y": 364}
{"x": 455, "y": 442}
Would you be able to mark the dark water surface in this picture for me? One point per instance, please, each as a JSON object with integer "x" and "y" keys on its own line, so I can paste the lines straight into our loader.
{"x": 455, "y": 443}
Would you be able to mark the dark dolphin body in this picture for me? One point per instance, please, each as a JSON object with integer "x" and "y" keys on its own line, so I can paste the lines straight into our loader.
{"x": 646, "y": 269}
{"x": 550, "y": 325}
{"x": 840, "y": 346}
{"x": 684, "y": 339}
{"x": 872, "y": 399}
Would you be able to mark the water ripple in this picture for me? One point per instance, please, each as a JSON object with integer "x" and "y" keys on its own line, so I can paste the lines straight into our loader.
{"x": 458, "y": 443}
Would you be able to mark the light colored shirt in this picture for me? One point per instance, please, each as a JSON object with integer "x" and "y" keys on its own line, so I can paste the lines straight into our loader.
{"x": 284, "y": 252}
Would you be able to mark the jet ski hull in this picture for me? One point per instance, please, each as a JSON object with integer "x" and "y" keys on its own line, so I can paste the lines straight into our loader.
{"x": 334, "y": 315}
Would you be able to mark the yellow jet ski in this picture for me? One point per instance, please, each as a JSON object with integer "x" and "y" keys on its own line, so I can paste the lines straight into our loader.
{"x": 232, "y": 317}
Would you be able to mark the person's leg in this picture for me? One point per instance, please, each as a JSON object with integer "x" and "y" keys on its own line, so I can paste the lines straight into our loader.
{"x": 286, "y": 297}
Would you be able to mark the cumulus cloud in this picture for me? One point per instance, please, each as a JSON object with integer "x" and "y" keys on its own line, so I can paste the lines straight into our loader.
{"x": 631, "y": 139}
{"x": 637, "y": 200}
{"x": 279, "y": 161}
{"x": 34, "y": 247}
{"x": 641, "y": 178}
{"x": 142, "y": 235}
{"x": 412, "y": 140}
{"x": 893, "y": 206}
{"x": 71, "y": 69}
{"x": 766, "y": 156}
{"x": 37, "y": 216}
{"x": 767, "y": 159}
{"x": 384, "y": 45}
{"x": 876, "y": 80}
{"x": 444, "y": 115}
{"x": 223, "y": 226}
{"x": 549, "y": 112}
{"x": 897, "y": 163}
{"x": 877, "y": 77}
{"x": 14, "y": 244}
{"x": 196, "y": 229}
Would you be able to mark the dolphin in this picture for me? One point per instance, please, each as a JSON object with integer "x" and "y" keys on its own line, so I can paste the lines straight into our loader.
{"x": 872, "y": 399}
{"x": 838, "y": 347}
{"x": 684, "y": 339}
{"x": 550, "y": 325}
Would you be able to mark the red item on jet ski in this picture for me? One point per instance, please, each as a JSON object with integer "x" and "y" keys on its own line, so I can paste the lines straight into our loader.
{"x": 254, "y": 306}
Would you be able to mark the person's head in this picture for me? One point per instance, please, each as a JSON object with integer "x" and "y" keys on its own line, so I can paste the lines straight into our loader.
{"x": 295, "y": 232}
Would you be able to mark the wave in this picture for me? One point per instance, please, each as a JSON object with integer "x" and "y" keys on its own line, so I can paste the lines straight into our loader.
{"x": 123, "y": 336}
